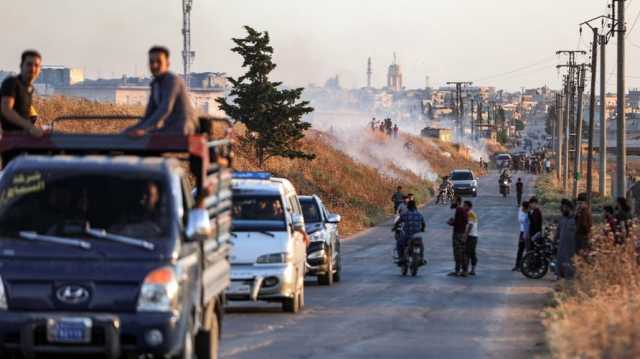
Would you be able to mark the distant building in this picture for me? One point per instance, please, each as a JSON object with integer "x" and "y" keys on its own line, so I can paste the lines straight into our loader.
{"x": 442, "y": 134}
{"x": 333, "y": 83}
{"x": 634, "y": 98}
{"x": 60, "y": 76}
{"x": 394, "y": 75}
{"x": 209, "y": 80}
{"x": 132, "y": 91}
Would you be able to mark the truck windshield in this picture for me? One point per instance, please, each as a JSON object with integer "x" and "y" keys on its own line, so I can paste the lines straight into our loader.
{"x": 253, "y": 212}
{"x": 58, "y": 203}
{"x": 310, "y": 211}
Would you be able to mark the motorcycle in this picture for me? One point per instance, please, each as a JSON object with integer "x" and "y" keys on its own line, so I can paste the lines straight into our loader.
{"x": 412, "y": 259}
{"x": 505, "y": 187}
{"x": 445, "y": 196}
{"x": 541, "y": 257}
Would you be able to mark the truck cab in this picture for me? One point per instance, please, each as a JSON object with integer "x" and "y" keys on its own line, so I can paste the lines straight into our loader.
{"x": 105, "y": 251}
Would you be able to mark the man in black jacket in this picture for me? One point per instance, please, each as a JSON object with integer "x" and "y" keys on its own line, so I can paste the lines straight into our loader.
{"x": 519, "y": 190}
{"x": 535, "y": 220}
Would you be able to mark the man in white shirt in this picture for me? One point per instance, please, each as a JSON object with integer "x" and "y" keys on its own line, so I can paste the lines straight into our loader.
{"x": 523, "y": 219}
{"x": 472, "y": 238}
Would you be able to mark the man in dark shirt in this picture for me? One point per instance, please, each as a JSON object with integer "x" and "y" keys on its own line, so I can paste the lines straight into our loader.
{"x": 16, "y": 94}
{"x": 519, "y": 190}
{"x": 535, "y": 220}
{"x": 169, "y": 109}
{"x": 459, "y": 223}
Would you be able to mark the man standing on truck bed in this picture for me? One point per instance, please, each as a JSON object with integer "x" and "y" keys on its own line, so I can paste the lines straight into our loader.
{"x": 169, "y": 109}
{"x": 16, "y": 94}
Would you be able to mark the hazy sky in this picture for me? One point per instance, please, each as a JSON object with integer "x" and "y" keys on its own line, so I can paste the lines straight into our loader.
{"x": 448, "y": 40}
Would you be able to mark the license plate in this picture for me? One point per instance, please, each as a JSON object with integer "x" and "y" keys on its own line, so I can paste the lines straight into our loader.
{"x": 69, "y": 330}
{"x": 239, "y": 288}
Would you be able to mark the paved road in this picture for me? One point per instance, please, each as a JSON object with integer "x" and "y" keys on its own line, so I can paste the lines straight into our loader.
{"x": 376, "y": 313}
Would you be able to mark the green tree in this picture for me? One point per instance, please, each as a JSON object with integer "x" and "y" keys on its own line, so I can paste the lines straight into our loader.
{"x": 271, "y": 114}
{"x": 519, "y": 125}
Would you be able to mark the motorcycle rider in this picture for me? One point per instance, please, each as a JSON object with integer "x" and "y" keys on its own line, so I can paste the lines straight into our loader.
{"x": 412, "y": 223}
{"x": 397, "y": 198}
{"x": 505, "y": 176}
{"x": 519, "y": 190}
{"x": 445, "y": 187}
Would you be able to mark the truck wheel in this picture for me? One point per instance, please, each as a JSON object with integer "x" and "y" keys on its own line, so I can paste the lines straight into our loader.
{"x": 208, "y": 341}
{"x": 327, "y": 278}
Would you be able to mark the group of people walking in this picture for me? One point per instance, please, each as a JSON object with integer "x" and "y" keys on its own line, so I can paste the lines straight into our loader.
{"x": 386, "y": 126}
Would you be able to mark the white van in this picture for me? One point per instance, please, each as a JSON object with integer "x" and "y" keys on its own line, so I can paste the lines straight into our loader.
{"x": 269, "y": 253}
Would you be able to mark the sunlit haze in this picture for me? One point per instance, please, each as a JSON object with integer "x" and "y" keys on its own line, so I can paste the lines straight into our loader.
{"x": 475, "y": 40}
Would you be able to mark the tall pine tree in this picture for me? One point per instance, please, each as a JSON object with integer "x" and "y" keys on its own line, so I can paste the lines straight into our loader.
{"x": 271, "y": 114}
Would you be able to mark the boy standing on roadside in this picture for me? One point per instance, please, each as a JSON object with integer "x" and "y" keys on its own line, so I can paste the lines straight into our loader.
{"x": 472, "y": 238}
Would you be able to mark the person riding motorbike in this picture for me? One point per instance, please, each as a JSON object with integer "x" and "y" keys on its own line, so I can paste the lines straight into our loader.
{"x": 412, "y": 223}
{"x": 446, "y": 187}
{"x": 504, "y": 181}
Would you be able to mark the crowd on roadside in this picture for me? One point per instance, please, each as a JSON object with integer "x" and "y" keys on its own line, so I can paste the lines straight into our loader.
{"x": 573, "y": 231}
{"x": 535, "y": 163}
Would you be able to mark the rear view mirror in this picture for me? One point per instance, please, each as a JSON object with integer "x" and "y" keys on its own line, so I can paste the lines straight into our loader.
{"x": 334, "y": 218}
{"x": 297, "y": 221}
{"x": 198, "y": 225}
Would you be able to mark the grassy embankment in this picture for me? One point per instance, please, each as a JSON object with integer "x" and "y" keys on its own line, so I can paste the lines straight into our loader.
{"x": 597, "y": 314}
{"x": 360, "y": 193}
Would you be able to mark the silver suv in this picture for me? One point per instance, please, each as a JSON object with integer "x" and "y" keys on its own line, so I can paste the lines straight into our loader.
{"x": 464, "y": 182}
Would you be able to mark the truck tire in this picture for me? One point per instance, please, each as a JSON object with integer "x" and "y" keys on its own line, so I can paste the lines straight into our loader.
{"x": 208, "y": 341}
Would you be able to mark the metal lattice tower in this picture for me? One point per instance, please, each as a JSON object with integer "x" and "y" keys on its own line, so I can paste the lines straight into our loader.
{"x": 369, "y": 73}
{"x": 187, "y": 54}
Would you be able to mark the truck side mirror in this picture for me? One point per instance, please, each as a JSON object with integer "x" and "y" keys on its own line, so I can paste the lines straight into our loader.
{"x": 297, "y": 221}
{"x": 198, "y": 225}
{"x": 334, "y": 218}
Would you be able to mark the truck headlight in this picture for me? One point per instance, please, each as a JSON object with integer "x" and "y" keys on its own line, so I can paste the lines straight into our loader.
{"x": 3, "y": 296}
{"x": 159, "y": 291}
{"x": 273, "y": 258}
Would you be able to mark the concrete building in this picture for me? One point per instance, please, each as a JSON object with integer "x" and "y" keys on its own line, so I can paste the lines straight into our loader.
{"x": 394, "y": 75}
{"x": 60, "y": 76}
{"x": 136, "y": 92}
{"x": 442, "y": 134}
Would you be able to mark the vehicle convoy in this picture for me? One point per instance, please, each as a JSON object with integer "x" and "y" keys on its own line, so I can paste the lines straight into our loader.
{"x": 103, "y": 250}
{"x": 268, "y": 260}
{"x": 324, "y": 256}
{"x": 537, "y": 261}
{"x": 464, "y": 182}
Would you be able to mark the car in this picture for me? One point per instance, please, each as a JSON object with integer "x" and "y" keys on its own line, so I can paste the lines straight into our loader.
{"x": 324, "y": 255}
{"x": 268, "y": 260}
{"x": 104, "y": 252}
{"x": 464, "y": 182}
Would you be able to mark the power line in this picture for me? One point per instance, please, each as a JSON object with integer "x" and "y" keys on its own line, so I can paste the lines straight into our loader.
{"x": 526, "y": 67}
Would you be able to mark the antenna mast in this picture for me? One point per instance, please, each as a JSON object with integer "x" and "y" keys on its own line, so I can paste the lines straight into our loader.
{"x": 187, "y": 54}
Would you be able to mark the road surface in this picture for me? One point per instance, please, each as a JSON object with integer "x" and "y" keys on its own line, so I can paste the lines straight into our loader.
{"x": 376, "y": 313}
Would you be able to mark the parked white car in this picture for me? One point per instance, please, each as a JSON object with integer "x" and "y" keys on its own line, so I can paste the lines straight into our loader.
{"x": 269, "y": 254}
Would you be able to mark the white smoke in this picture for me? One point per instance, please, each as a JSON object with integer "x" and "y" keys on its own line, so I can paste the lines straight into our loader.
{"x": 354, "y": 137}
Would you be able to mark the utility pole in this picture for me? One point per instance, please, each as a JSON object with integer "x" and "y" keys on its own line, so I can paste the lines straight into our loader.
{"x": 603, "y": 119}
{"x": 577, "y": 158}
{"x": 592, "y": 104}
{"x": 459, "y": 106}
{"x": 570, "y": 109}
{"x": 621, "y": 151}
{"x": 559, "y": 128}
{"x": 592, "y": 114}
